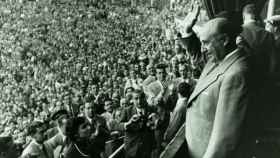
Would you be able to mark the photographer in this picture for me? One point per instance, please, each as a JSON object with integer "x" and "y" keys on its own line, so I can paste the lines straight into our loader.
{"x": 139, "y": 138}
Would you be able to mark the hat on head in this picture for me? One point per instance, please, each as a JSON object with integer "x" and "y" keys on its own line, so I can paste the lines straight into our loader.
{"x": 59, "y": 114}
{"x": 161, "y": 66}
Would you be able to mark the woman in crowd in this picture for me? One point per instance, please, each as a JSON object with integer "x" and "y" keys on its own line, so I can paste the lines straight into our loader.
{"x": 79, "y": 143}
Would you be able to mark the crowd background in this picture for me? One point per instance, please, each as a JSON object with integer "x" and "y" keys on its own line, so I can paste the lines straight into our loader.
{"x": 61, "y": 54}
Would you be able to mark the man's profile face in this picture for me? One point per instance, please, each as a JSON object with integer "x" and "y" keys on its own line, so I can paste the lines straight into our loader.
{"x": 212, "y": 44}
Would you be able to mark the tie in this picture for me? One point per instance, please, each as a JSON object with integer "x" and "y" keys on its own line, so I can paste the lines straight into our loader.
{"x": 45, "y": 151}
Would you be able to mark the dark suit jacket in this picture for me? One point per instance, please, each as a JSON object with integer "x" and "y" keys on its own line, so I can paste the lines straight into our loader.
{"x": 103, "y": 135}
{"x": 217, "y": 108}
{"x": 178, "y": 117}
{"x": 139, "y": 139}
{"x": 261, "y": 47}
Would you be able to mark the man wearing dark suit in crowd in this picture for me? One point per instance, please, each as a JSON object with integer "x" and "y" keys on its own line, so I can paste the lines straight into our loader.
{"x": 259, "y": 41}
{"x": 178, "y": 115}
{"x": 100, "y": 132}
{"x": 139, "y": 138}
{"x": 162, "y": 100}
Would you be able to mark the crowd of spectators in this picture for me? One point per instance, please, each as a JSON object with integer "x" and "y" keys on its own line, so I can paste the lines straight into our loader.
{"x": 64, "y": 54}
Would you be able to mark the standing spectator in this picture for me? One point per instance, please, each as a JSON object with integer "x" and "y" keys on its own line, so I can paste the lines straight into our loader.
{"x": 79, "y": 143}
{"x": 151, "y": 77}
{"x": 185, "y": 76}
{"x": 99, "y": 130}
{"x": 36, "y": 148}
{"x": 273, "y": 26}
{"x": 178, "y": 115}
{"x": 139, "y": 138}
{"x": 260, "y": 41}
{"x": 159, "y": 93}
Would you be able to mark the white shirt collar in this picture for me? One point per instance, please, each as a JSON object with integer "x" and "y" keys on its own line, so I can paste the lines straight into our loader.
{"x": 60, "y": 132}
{"x": 248, "y": 21}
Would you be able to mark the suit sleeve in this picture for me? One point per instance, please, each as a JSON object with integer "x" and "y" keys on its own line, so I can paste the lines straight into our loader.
{"x": 178, "y": 118}
{"x": 230, "y": 112}
{"x": 119, "y": 126}
{"x": 53, "y": 142}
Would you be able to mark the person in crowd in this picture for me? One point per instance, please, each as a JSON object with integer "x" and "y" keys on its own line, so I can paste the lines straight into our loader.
{"x": 57, "y": 135}
{"x": 158, "y": 89}
{"x": 110, "y": 115}
{"x": 79, "y": 142}
{"x": 151, "y": 77}
{"x": 134, "y": 80}
{"x": 178, "y": 115}
{"x": 59, "y": 118}
{"x": 8, "y": 148}
{"x": 139, "y": 138}
{"x": 99, "y": 129}
{"x": 185, "y": 76}
{"x": 157, "y": 97}
{"x": 260, "y": 41}
{"x": 37, "y": 148}
{"x": 273, "y": 26}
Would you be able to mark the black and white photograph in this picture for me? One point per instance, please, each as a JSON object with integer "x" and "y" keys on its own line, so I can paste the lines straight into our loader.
{"x": 140, "y": 79}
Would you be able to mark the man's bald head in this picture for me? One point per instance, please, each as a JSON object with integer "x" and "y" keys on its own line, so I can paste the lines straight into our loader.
{"x": 221, "y": 26}
{"x": 218, "y": 37}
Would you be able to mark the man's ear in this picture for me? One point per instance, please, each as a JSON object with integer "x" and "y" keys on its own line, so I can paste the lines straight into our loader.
{"x": 226, "y": 41}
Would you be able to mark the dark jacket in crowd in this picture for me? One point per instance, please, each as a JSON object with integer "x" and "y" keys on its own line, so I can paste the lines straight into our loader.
{"x": 139, "y": 139}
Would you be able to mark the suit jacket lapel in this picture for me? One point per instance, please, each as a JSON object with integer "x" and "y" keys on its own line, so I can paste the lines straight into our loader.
{"x": 206, "y": 80}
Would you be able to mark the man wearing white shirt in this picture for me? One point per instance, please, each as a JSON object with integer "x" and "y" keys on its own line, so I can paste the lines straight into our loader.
{"x": 36, "y": 148}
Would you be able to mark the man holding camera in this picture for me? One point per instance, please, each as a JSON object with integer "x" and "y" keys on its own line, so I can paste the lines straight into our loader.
{"x": 139, "y": 137}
